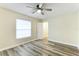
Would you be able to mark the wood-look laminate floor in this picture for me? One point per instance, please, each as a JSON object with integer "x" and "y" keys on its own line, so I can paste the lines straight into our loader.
{"x": 38, "y": 48}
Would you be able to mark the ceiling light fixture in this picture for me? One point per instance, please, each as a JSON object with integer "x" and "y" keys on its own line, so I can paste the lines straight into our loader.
{"x": 39, "y": 11}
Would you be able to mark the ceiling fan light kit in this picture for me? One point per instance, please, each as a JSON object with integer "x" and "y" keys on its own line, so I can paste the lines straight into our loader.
{"x": 38, "y": 11}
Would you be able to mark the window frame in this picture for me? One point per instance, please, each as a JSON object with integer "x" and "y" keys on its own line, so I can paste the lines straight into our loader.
{"x": 21, "y": 37}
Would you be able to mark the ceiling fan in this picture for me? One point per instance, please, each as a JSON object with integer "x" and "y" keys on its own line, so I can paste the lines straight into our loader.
{"x": 40, "y": 8}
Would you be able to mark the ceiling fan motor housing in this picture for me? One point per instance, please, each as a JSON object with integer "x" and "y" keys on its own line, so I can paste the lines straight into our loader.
{"x": 39, "y": 7}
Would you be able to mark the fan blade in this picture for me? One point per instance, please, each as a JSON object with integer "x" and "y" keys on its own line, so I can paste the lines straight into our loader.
{"x": 48, "y": 9}
{"x": 41, "y": 5}
{"x": 34, "y": 11}
{"x": 42, "y": 13}
{"x": 30, "y": 7}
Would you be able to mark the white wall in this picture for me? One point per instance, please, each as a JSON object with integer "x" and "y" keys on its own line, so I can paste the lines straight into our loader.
{"x": 8, "y": 28}
{"x": 64, "y": 29}
{"x": 78, "y": 30}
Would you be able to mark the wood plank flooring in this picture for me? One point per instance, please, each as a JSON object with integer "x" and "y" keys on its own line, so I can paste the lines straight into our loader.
{"x": 38, "y": 48}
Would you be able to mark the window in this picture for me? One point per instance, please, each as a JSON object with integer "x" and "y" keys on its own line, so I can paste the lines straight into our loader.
{"x": 23, "y": 28}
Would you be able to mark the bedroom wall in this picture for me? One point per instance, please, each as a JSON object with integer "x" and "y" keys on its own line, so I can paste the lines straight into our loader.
{"x": 78, "y": 29}
{"x": 64, "y": 29}
{"x": 8, "y": 28}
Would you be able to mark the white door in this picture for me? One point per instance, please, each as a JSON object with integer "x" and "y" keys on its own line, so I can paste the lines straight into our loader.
{"x": 42, "y": 30}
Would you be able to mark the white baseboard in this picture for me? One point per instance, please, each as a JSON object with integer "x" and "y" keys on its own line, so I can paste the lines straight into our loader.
{"x": 66, "y": 43}
{"x": 16, "y": 45}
